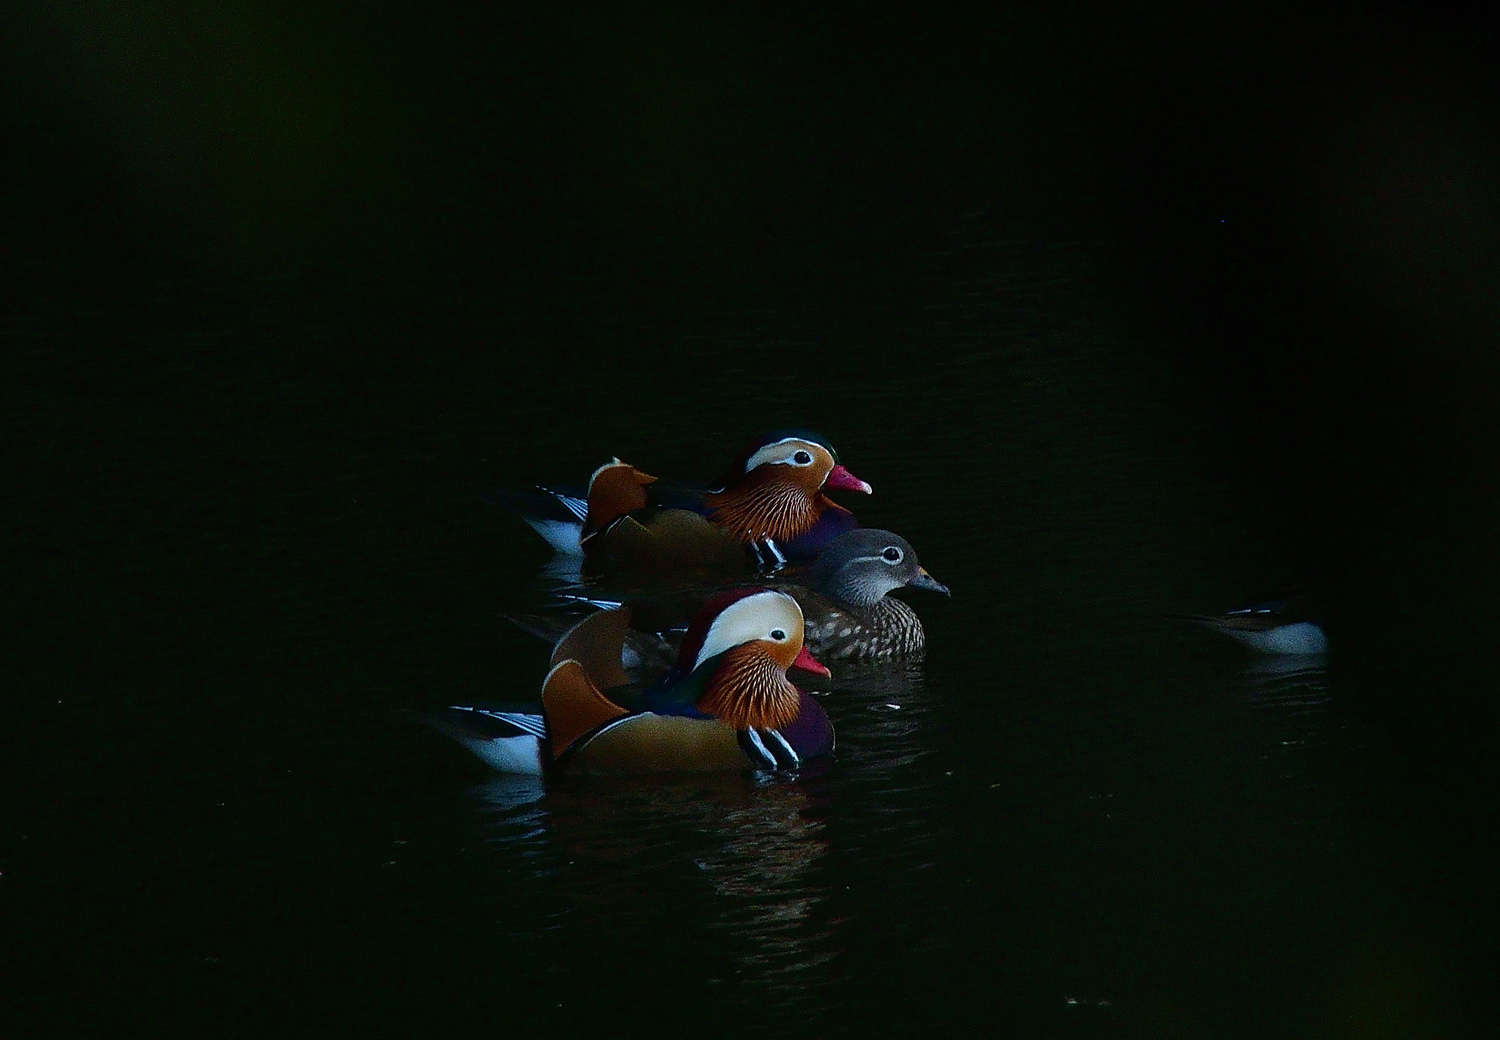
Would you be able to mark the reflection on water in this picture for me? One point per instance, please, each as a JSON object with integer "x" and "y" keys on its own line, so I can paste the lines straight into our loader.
{"x": 1293, "y": 694}
{"x": 1294, "y": 668}
{"x": 735, "y": 855}
{"x": 881, "y": 710}
{"x": 510, "y": 796}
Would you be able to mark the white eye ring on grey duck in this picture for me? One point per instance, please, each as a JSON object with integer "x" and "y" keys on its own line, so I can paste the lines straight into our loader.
{"x": 778, "y": 635}
{"x": 891, "y": 554}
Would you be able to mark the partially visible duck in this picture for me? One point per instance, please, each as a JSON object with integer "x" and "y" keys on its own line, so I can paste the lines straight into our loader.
{"x": 772, "y": 504}
{"x": 849, "y": 616}
{"x": 1288, "y": 626}
{"x": 728, "y": 703}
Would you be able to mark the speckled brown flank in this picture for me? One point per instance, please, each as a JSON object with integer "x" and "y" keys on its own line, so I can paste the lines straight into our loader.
{"x": 888, "y": 629}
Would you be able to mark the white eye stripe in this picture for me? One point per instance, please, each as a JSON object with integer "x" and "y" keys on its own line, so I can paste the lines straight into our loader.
{"x": 746, "y": 619}
{"x": 784, "y": 453}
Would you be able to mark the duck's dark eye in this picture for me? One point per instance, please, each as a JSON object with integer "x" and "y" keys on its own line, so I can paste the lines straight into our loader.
{"x": 777, "y": 634}
{"x": 802, "y": 458}
{"x": 891, "y": 554}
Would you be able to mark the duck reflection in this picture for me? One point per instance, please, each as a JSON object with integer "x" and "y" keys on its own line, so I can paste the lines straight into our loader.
{"x": 1287, "y": 685}
{"x": 1292, "y": 694}
{"x": 631, "y": 850}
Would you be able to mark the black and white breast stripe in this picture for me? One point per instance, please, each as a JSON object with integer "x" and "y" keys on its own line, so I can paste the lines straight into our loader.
{"x": 768, "y": 556}
{"x": 769, "y": 749}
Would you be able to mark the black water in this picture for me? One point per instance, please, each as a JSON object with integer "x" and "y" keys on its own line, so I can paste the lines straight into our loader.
{"x": 1096, "y": 380}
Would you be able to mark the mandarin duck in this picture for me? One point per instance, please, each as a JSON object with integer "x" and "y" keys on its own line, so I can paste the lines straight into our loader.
{"x": 848, "y": 614}
{"x": 728, "y": 703}
{"x": 773, "y": 504}
{"x": 850, "y": 617}
{"x": 1287, "y": 626}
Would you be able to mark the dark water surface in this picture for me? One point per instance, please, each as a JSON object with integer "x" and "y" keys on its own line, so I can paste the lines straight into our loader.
{"x": 260, "y": 535}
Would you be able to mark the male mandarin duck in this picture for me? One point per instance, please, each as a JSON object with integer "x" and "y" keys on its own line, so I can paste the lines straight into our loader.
{"x": 848, "y": 614}
{"x": 773, "y": 503}
{"x": 1287, "y": 626}
{"x": 727, "y": 705}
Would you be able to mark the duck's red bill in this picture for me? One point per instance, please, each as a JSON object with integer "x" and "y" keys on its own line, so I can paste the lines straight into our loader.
{"x": 808, "y": 663}
{"x": 841, "y": 479}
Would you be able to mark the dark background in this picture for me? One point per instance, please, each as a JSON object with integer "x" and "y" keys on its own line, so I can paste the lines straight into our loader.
{"x": 285, "y": 286}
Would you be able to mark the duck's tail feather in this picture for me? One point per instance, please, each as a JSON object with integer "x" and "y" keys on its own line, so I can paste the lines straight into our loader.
{"x": 555, "y": 513}
{"x": 510, "y": 741}
{"x": 598, "y": 604}
{"x": 1233, "y": 622}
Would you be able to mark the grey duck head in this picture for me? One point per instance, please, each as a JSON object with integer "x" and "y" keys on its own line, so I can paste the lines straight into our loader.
{"x": 859, "y": 568}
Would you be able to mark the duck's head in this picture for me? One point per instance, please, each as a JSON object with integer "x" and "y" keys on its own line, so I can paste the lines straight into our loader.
{"x": 799, "y": 457}
{"x": 860, "y": 567}
{"x": 776, "y": 488}
{"x": 737, "y": 652}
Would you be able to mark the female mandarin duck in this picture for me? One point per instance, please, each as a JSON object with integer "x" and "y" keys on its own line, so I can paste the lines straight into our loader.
{"x": 727, "y": 705}
{"x": 1287, "y": 626}
{"x": 850, "y": 617}
{"x": 848, "y": 614}
{"x": 772, "y": 504}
